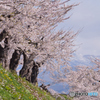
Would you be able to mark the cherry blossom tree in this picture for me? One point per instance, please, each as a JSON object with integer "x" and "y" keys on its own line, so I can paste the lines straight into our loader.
{"x": 85, "y": 79}
{"x": 27, "y": 28}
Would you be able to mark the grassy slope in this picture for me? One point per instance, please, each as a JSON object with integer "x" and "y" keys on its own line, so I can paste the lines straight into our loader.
{"x": 13, "y": 87}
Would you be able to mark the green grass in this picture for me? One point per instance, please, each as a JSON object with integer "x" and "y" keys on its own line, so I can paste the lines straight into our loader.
{"x": 13, "y": 87}
{"x": 66, "y": 97}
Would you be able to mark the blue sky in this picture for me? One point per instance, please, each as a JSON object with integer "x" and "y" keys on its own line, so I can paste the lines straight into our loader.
{"x": 85, "y": 16}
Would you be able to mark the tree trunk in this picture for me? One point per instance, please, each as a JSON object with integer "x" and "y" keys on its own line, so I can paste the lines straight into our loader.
{"x": 30, "y": 69}
{"x": 4, "y": 54}
{"x": 35, "y": 72}
{"x": 15, "y": 59}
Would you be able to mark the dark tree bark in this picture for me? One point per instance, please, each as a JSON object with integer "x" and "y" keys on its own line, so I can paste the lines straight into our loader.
{"x": 30, "y": 69}
{"x": 1, "y": 55}
{"x": 44, "y": 87}
{"x": 15, "y": 59}
{"x": 24, "y": 71}
{"x": 3, "y": 34}
{"x": 35, "y": 72}
{"x": 4, "y": 54}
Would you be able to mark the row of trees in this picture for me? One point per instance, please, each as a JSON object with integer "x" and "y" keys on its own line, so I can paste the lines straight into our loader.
{"x": 27, "y": 28}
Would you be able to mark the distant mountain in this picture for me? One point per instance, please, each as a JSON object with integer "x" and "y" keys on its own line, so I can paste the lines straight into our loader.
{"x": 82, "y": 60}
